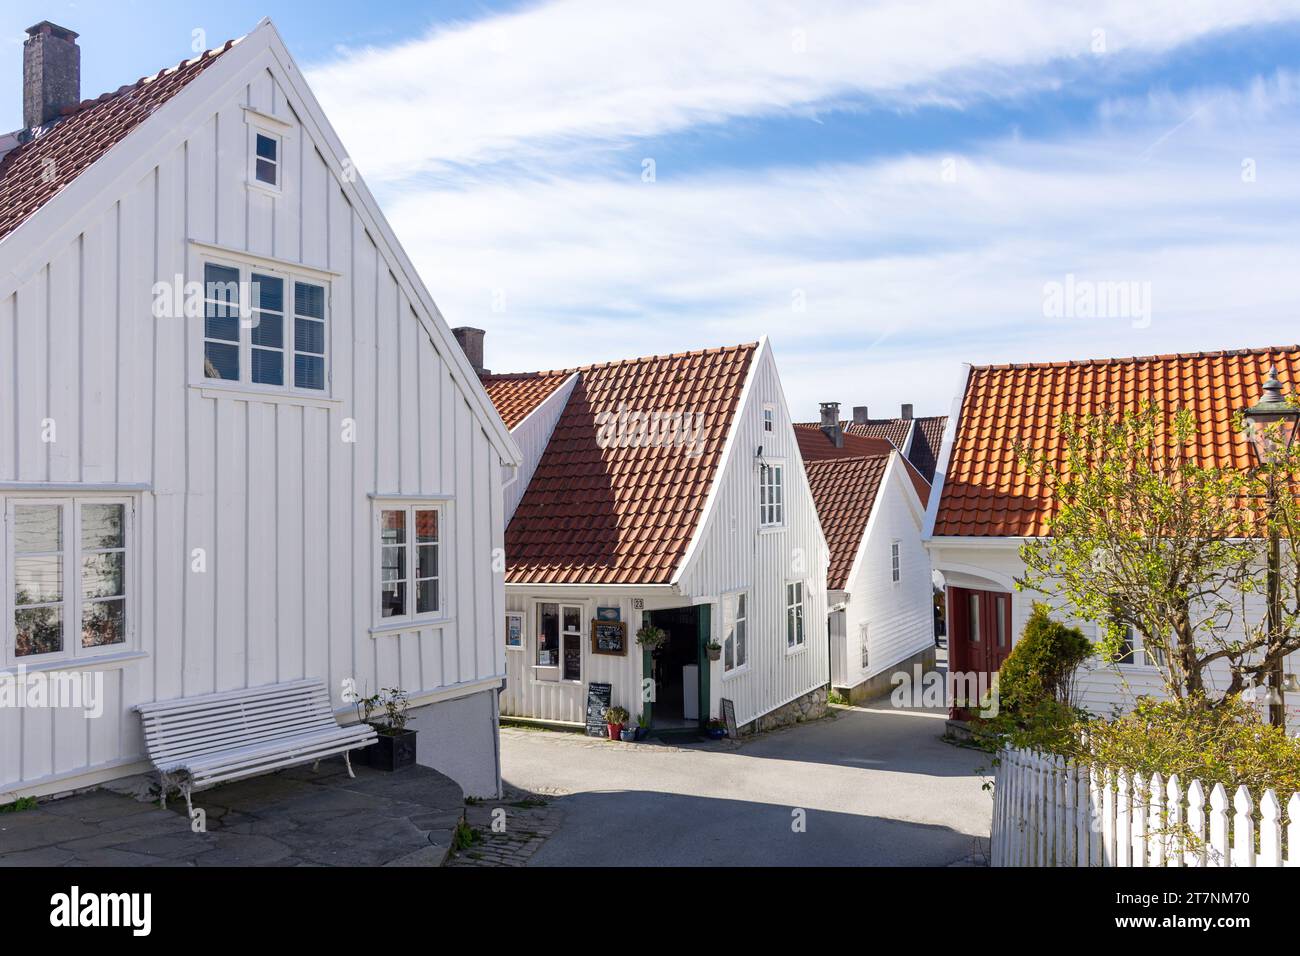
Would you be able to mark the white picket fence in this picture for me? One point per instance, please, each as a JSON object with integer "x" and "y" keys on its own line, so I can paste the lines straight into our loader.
{"x": 1050, "y": 812}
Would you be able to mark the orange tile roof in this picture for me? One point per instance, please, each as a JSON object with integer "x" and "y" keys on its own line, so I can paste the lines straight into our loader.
{"x": 34, "y": 173}
{"x": 987, "y": 492}
{"x": 814, "y": 445}
{"x": 625, "y": 513}
{"x": 844, "y": 490}
{"x": 515, "y": 396}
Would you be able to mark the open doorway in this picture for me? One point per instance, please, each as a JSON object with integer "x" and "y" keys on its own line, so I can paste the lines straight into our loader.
{"x": 676, "y": 668}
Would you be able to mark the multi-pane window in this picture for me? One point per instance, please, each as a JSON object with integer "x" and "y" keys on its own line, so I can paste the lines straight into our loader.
{"x": 409, "y": 578}
{"x": 69, "y": 561}
{"x": 864, "y": 636}
{"x": 735, "y": 626}
{"x": 895, "y": 563}
{"x": 559, "y": 640}
{"x": 771, "y": 496}
{"x": 251, "y": 341}
{"x": 794, "y": 614}
{"x": 267, "y": 160}
{"x": 769, "y": 417}
{"x": 1134, "y": 651}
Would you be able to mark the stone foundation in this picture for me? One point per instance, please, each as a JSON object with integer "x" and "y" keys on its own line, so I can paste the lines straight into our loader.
{"x": 808, "y": 707}
{"x": 882, "y": 684}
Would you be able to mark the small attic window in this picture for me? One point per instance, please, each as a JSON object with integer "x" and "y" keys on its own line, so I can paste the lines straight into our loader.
{"x": 267, "y": 159}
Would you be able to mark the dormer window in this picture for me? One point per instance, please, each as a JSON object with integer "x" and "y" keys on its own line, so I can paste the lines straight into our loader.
{"x": 266, "y": 162}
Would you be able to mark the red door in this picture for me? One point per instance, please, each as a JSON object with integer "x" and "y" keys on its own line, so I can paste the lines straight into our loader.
{"x": 979, "y": 635}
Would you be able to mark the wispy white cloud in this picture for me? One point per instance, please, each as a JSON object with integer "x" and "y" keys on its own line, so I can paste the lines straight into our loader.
{"x": 528, "y": 84}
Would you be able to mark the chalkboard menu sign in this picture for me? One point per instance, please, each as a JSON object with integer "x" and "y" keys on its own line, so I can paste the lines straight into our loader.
{"x": 608, "y": 637}
{"x": 729, "y": 717}
{"x": 598, "y": 698}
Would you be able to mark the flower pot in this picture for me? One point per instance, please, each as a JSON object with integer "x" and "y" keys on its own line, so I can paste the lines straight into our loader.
{"x": 642, "y": 733}
{"x": 715, "y": 653}
{"x": 715, "y": 733}
{"x": 627, "y": 734}
{"x": 614, "y": 730}
{"x": 392, "y": 751}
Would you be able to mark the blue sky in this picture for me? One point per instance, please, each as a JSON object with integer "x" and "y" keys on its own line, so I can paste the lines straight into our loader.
{"x": 886, "y": 190}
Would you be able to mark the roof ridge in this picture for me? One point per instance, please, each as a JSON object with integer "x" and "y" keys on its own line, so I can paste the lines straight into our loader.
{"x": 713, "y": 350}
{"x": 1134, "y": 359}
{"x": 842, "y": 459}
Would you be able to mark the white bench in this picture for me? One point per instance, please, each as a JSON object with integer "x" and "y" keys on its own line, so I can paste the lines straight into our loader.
{"x": 200, "y": 742}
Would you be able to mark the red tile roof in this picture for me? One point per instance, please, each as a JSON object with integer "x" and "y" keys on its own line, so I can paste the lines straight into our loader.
{"x": 893, "y": 430}
{"x": 814, "y": 445}
{"x": 844, "y": 490}
{"x": 988, "y": 493}
{"x": 624, "y": 513}
{"x": 34, "y": 173}
{"x": 515, "y": 396}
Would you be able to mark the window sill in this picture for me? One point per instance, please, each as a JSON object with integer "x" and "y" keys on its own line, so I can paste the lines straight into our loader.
{"x": 770, "y": 528}
{"x": 797, "y": 649}
{"x": 735, "y": 672}
{"x": 275, "y": 192}
{"x": 409, "y": 624}
{"x": 251, "y": 393}
{"x": 93, "y": 662}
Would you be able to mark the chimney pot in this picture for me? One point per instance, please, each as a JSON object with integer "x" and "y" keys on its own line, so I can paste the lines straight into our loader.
{"x": 907, "y": 413}
{"x": 51, "y": 73}
{"x": 831, "y": 423}
{"x": 471, "y": 343}
{"x": 860, "y": 416}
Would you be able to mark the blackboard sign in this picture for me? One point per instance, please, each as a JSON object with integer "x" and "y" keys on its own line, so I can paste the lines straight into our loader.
{"x": 608, "y": 637}
{"x": 729, "y": 717}
{"x": 598, "y": 698}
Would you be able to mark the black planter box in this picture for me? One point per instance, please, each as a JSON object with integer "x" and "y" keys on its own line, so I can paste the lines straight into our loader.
{"x": 392, "y": 752}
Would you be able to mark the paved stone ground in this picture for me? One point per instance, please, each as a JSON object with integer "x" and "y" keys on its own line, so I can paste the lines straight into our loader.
{"x": 508, "y": 831}
{"x": 873, "y": 786}
{"x": 297, "y": 817}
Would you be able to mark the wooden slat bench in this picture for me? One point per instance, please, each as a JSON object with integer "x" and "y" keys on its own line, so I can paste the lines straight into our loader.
{"x": 199, "y": 742}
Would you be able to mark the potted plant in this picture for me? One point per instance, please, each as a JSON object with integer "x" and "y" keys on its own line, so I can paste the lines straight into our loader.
{"x": 642, "y": 726}
{"x": 615, "y": 718}
{"x": 395, "y": 747}
{"x": 627, "y": 734}
{"x": 714, "y": 650}
{"x": 651, "y": 637}
{"x": 716, "y": 728}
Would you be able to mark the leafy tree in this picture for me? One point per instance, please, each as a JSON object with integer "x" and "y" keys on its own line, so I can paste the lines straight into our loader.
{"x": 1042, "y": 664}
{"x": 1145, "y": 536}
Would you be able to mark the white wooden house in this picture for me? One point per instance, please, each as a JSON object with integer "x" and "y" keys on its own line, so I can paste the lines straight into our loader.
{"x": 666, "y": 490}
{"x": 871, "y": 502}
{"x": 238, "y": 443}
{"x": 985, "y": 505}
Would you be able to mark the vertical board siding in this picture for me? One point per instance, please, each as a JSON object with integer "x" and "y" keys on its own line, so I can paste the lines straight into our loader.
{"x": 254, "y": 551}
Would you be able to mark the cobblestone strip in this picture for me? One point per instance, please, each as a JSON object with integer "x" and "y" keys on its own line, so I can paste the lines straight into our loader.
{"x": 509, "y": 831}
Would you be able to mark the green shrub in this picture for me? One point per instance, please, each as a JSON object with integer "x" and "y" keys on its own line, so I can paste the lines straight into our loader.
{"x": 1228, "y": 743}
{"x": 1042, "y": 664}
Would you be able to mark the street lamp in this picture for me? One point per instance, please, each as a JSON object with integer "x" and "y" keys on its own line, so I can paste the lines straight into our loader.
{"x": 1271, "y": 426}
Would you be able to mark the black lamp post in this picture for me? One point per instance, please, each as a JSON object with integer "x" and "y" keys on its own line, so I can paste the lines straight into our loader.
{"x": 1271, "y": 426}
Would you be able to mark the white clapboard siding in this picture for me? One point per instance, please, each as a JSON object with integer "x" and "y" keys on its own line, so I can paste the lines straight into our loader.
{"x": 1051, "y": 812}
{"x": 263, "y": 487}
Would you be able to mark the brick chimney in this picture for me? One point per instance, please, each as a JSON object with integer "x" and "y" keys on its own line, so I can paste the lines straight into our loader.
{"x": 51, "y": 73}
{"x": 471, "y": 343}
{"x": 860, "y": 416}
{"x": 907, "y": 413}
{"x": 831, "y": 423}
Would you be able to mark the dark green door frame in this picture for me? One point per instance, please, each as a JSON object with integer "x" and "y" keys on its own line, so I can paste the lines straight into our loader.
{"x": 705, "y": 664}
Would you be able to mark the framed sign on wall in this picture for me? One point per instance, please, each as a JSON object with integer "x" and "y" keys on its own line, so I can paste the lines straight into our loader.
{"x": 514, "y": 629}
{"x": 608, "y": 637}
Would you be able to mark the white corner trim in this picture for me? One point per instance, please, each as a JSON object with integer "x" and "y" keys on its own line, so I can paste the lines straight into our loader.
{"x": 256, "y": 117}
{"x": 911, "y": 436}
{"x": 945, "y": 452}
{"x": 267, "y": 262}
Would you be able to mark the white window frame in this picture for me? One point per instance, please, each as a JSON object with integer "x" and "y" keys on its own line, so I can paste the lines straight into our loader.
{"x": 264, "y": 124}
{"x": 895, "y": 561}
{"x": 1142, "y": 659}
{"x": 731, "y": 619}
{"x": 769, "y": 418}
{"x": 412, "y": 618}
{"x": 289, "y": 275}
{"x": 771, "y": 495}
{"x": 554, "y": 673}
{"x": 523, "y": 631}
{"x": 72, "y": 582}
{"x": 791, "y": 604}
{"x": 864, "y": 634}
